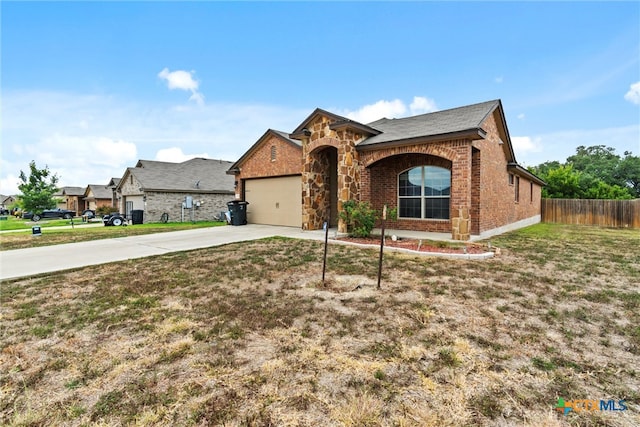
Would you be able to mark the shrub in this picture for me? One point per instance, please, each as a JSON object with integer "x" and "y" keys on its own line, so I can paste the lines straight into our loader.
{"x": 105, "y": 210}
{"x": 359, "y": 216}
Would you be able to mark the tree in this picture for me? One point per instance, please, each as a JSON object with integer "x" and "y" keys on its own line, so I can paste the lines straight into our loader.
{"x": 38, "y": 188}
{"x": 562, "y": 183}
{"x": 595, "y": 172}
{"x": 628, "y": 171}
{"x": 598, "y": 161}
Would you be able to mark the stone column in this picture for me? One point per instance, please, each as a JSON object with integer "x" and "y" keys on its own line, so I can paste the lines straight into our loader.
{"x": 348, "y": 173}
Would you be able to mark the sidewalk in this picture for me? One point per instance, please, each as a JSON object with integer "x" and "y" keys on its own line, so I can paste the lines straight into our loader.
{"x": 46, "y": 259}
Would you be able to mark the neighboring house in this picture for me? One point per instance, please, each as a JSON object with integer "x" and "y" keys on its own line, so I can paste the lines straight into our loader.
{"x": 451, "y": 171}
{"x": 6, "y": 201}
{"x": 73, "y": 198}
{"x": 195, "y": 190}
{"x": 97, "y": 196}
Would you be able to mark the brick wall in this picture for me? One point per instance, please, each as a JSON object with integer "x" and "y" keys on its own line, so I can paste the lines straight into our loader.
{"x": 497, "y": 203}
{"x": 379, "y": 183}
{"x": 288, "y": 161}
{"x": 384, "y": 190}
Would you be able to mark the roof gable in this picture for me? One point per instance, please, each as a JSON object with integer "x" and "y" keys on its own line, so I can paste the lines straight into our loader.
{"x": 73, "y": 191}
{"x": 338, "y": 122}
{"x": 99, "y": 191}
{"x": 270, "y": 132}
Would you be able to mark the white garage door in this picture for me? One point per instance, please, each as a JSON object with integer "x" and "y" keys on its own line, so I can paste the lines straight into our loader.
{"x": 274, "y": 201}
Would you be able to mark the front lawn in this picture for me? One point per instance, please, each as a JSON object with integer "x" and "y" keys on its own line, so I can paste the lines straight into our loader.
{"x": 245, "y": 334}
{"x": 13, "y": 223}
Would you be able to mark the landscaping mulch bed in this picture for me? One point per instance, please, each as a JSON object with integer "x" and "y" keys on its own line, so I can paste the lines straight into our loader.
{"x": 421, "y": 245}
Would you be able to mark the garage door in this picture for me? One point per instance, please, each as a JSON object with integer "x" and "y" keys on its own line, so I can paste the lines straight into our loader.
{"x": 274, "y": 201}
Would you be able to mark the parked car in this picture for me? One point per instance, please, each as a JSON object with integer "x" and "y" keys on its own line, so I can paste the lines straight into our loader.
{"x": 53, "y": 213}
{"x": 89, "y": 213}
{"x": 115, "y": 219}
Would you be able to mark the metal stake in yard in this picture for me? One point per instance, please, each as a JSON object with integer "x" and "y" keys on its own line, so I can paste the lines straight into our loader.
{"x": 384, "y": 217}
{"x": 326, "y": 242}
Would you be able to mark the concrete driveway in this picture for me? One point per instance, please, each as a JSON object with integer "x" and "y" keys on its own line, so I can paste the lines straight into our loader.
{"x": 46, "y": 259}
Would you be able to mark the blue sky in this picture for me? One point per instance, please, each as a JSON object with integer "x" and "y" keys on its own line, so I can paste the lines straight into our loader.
{"x": 88, "y": 88}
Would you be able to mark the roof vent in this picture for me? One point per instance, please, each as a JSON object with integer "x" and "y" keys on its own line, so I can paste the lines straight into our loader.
{"x": 198, "y": 184}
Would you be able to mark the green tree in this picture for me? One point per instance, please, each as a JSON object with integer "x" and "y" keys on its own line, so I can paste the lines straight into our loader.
{"x": 595, "y": 172}
{"x": 562, "y": 183}
{"x": 599, "y": 161}
{"x": 38, "y": 188}
{"x": 628, "y": 172}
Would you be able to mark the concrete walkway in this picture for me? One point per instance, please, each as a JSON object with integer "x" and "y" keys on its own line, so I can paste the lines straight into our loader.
{"x": 46, "y": 259}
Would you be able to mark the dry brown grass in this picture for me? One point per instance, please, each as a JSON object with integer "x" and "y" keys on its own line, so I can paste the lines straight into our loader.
{"x": 246, "y": 335}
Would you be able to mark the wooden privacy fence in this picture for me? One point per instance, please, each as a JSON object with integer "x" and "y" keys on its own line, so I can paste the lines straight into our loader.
{"x": 605, "y": 213}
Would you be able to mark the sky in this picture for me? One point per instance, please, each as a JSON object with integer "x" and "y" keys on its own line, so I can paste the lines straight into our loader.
{"x": 88, "y": 88}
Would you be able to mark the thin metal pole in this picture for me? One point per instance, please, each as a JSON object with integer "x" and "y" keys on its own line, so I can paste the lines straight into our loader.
{"x": 384, "y": 217}
{"x": 326, "y": 242}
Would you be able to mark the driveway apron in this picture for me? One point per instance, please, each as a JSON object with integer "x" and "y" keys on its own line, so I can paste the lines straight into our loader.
{"x": 46, "y": 259}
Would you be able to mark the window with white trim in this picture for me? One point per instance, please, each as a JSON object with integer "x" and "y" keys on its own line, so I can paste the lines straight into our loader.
{"x": 424, "y": 192}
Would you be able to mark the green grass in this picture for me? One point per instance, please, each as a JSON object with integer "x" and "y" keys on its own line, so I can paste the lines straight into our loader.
{"x": 13, "y": 223}
{"x": 245, "y": 334}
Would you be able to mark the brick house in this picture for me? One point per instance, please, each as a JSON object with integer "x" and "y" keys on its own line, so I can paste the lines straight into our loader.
{"x": 97, "y": 196}
{"x": 450, "y": 171}
{"x": 72, "y": 199}
{"x": 194, "y": 190}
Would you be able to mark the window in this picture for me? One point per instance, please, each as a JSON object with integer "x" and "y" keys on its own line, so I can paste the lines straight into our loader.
{"x": 531, "y": 191}
{"x": 424, "y": 192}
{"x": 517, "y": 188}
{"x": 510, "y": 179}
{"x": 273, "y": 153}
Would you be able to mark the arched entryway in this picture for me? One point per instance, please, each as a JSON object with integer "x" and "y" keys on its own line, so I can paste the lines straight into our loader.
{"x": 320, "y": 188}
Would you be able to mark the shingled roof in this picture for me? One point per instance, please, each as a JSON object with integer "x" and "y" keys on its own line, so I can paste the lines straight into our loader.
{"x": 195, "y": 175}
{"x": 99, "y": 191}
{"x": 467, "y": 119}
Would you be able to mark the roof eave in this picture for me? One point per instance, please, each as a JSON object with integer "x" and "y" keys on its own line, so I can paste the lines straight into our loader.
{"x": 471, "y": 134}
{"x": 516, "y": 168}
{"x": 191, "y": 191}
{"x": 350, "y": 124}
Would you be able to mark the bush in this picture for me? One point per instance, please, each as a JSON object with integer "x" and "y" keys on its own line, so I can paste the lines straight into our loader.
{"x": 360, "y": 218}
{"x": 105, "y": 210}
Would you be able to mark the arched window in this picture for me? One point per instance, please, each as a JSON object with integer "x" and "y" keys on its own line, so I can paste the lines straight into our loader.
{"x": 424, "y": 192}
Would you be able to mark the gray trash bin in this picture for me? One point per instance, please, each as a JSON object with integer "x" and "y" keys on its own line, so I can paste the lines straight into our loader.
{"x": 137, "y": 216}
{"x": 238, "y": 210}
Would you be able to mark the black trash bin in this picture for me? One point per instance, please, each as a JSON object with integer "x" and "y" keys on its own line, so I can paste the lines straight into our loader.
{"x": 137, "y": 216}
{"x": 238, "y": 210}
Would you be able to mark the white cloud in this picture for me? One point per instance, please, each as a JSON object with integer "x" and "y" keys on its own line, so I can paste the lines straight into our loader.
{"x": 391, "y": 109}
{"x": 116, "y": 132}
{"x": 533, "y": 150}
{"x": 421, "y": 105}
{"x": 380, "y": 109}
{"x": 523, "y": 144}
{"x": 175, "y": 155}
{"x": 633, "y": 96}
{"x": 183, "y": 80}
{"x": 521, "y": 116}
{"x": 499, "y": 79}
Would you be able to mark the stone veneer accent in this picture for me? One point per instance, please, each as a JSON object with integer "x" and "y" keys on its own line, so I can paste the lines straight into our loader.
{"x": 315, "y": 172}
